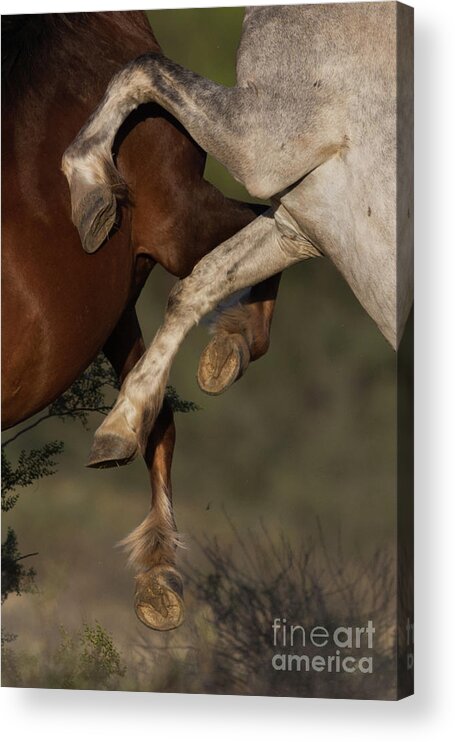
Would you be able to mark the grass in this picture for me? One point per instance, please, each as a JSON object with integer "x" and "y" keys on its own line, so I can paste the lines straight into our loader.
{"x": 226, "y": 645}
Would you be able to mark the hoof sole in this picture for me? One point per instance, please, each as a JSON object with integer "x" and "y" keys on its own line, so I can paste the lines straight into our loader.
{"x": 109, "y": 450}
{"x": 159, "y": 599}
{"x": 224, "y": 360}
{"x": 95, "y": 217}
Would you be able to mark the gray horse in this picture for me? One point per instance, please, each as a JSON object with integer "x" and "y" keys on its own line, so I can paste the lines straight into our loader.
{"x": 320, "y": 122}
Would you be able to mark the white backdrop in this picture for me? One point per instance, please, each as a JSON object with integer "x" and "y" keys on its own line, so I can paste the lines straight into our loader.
{"x": 49, "y": 715}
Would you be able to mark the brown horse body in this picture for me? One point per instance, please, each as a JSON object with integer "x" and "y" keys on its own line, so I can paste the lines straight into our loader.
{"x": 61, "y": 306}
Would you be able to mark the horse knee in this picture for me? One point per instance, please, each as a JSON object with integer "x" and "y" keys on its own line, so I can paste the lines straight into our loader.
{"x": 191, "y": 295}
{"x": 174, "y": 298}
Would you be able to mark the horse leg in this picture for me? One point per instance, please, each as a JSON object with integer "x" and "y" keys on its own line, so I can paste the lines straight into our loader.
{"x": 241, "y": 329}
{"x": 204, "y": 108}
{"x": 258, "y": 251}
{"x": 241, "y": 335}
{"x": 232, "y": 124}
{"x": 152, "y": 545}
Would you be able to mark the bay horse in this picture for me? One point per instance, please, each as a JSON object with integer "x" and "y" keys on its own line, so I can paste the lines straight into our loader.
{"x": 312, "y": 123}
{"x": 61, "y": 306}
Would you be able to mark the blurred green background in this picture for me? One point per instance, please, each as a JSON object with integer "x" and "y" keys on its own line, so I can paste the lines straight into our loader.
{"x": 308, "y": 434}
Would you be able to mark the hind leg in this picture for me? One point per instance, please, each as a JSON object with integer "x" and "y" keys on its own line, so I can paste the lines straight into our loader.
{"x": 152, "y": 545}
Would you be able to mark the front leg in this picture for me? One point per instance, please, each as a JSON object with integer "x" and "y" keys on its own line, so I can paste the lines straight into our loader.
{"x": 152, "y": 545}
{"x": 212, "y": 114}
{"x": 241, "y": 334}
{"x": 238, "y": 126}
{"x": 257, "y": 252}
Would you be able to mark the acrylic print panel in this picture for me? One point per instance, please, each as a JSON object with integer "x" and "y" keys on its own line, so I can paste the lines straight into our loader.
{"x": 290, "y": 478}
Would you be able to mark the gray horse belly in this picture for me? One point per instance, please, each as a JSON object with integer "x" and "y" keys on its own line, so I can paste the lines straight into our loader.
{"x": 345, "y": 222}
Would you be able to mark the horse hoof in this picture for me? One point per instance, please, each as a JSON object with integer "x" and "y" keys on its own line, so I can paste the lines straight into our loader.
{"x": 159, "y": 599}
{"x": 109, "y": 449}
{"x": 95, "y": 216}
{"x": 224, "y": 360}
